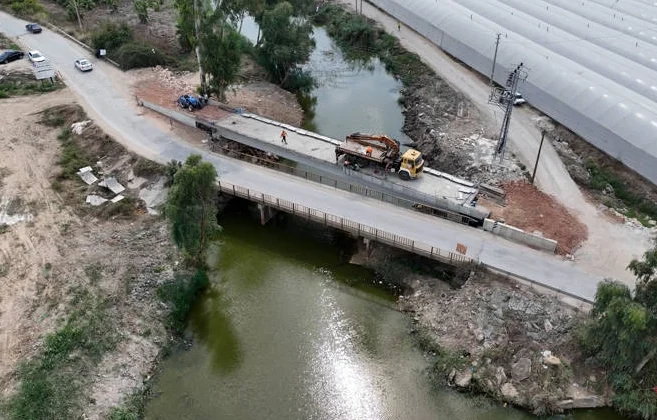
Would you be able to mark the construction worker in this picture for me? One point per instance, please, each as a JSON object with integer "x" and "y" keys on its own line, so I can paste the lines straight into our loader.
{"x": 368, "y": 151}
{"x": 398, "y": 26}
{"x": 283, "y": 137}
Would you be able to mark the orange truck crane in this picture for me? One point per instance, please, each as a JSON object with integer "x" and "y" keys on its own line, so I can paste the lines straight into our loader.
{"x": 360, "y": 150}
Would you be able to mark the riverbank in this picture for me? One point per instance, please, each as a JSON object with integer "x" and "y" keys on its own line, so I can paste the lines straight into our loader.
{"x": 492, "y": 337}
{"x": 443, "y": 124}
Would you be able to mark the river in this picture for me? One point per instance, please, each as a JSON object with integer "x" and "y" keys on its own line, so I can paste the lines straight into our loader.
{"x": 349, "y": 96}
{"x": 290, "y": 330}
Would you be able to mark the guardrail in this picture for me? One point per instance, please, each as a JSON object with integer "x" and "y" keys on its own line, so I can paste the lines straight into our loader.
{"x": 80, "y": 43}
{"x": 347, "y": 225}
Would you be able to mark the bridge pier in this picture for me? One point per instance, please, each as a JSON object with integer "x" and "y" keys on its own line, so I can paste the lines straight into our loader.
{"x": 266, "y": 213}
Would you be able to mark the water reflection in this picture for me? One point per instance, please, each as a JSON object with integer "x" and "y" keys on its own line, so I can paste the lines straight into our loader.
{"x": 351, "y": 95}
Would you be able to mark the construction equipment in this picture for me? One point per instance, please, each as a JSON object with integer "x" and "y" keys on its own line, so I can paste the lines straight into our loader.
{"x": 360, "y": 150}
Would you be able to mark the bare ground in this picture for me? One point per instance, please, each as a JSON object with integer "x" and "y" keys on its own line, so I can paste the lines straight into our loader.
{"x": 163, "y": 87}
{"x": 533, "y": 211}
{"x": 66, "y": 248}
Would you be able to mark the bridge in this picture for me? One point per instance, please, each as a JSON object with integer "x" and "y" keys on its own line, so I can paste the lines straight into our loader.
{"x": 107, "y": 99}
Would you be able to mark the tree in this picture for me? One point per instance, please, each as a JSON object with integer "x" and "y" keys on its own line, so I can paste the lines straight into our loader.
{"x": 286, "y": 42}
{"x": 221, "y": 55}
{"x": 191, "y": 208}
{"x": 622, "y": 337}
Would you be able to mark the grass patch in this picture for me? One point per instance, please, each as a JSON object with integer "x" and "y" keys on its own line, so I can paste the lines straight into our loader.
{"x": 180, "y": 294}
{"x": 4, "y": 268}
{"x": 600, "y": 179}
{"x": 360, "y": 39}
{"x": 147, "y": 168}
{"x": 72, "y": 157}
{"x": 133, "y": 408}
{"x": 52, "y": 384}
{"x": 20, "y": 85}
{"x": 7, "y": 44}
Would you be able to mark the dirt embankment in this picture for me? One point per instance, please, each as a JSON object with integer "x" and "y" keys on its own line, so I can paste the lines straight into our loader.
{"x": 448, "y": 129}
{"x": 533, "y": 211}
{"x": 56, "y": 251}
{"x": 254, "y": 94}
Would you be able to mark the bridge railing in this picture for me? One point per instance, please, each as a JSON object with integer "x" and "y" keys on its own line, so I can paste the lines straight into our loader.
{"x": 342, "y": 184}
{"x": 347, "y": 225}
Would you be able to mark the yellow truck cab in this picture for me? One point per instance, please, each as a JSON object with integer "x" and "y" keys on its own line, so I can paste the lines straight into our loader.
{"x": 411, "y": 164}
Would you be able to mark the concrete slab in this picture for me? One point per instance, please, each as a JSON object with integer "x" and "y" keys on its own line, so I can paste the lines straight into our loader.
{"x": 112, "y": 184}
{"x": 432, "y": 183}
{"x": 117, "y": 198}
{"x": 88, "y": 177}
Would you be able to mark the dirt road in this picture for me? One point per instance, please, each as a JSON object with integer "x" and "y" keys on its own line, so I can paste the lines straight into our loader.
{"x": 610, "y": 245}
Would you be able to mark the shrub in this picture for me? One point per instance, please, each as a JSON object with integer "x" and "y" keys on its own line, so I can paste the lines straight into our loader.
{"x": 111, "y": 37}
{"x": 181, "y": 293}
{"x": 136, "y": 55}
{"x": 27, "y": 8}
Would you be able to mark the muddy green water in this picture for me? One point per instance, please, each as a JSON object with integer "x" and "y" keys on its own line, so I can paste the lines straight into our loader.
{"x": 349, "y": 96}
{"x": 289, "y": 330}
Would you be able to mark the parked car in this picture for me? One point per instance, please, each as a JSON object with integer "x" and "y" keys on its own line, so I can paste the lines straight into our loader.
{"x": 35, "y": 56}
{"x": 517, "y": 100}
{"x": 11, "y": 55}
{"x": 35, "y": 28}
{"x": 83, "y": 64}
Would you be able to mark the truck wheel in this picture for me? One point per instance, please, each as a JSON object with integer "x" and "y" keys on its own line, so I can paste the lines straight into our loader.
{"x": 404, "y": 175}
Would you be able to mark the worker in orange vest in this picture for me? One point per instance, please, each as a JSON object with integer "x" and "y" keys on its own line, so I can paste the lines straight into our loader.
{"x": 368, "y": 151}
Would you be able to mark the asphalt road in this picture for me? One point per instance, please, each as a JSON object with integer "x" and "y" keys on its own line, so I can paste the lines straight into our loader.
{"x": 105, "y": 96}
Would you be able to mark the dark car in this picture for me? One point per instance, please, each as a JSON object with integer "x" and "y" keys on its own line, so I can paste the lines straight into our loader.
{"x": 33, "y": 27}
{"x": 11, "y": 55}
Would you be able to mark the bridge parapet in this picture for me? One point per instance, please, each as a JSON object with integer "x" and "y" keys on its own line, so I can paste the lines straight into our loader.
{"x": 347, "y": 225}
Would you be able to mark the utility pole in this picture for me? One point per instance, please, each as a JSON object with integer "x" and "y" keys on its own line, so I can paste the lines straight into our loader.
{"x": 492, "y": 71}
{"x": 505, "y": 98}
{"x": 538, "y": 155}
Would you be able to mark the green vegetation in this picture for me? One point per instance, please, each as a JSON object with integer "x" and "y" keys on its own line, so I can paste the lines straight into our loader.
{"x": 134, "y": 407}
{"x": 13, "y": 85}
{"x": 637, "y": 205}
{"x": 285, "y": 43}
{"x": 142, "y": 6}
{"x": 121, "y": 46}
{"x": 622, "y": 338}
{"x": 191, "y": 208}
{"x": 72, "y": 157}
{"x": 221, "y": 55}
{"x": 25, "y": 8}
{"x": 180, "y": 294}
{"x": 6, "y": 43}
{"x": 52, "y": 383}
{"x": 360, "y": 39}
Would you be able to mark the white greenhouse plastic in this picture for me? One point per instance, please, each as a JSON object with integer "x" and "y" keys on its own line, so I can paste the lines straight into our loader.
{"x": 591, "y": 67}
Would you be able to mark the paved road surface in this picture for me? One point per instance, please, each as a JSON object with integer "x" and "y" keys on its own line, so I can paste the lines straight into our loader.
{"x": 105, "y": 96}
{"x": 610, "y": 245}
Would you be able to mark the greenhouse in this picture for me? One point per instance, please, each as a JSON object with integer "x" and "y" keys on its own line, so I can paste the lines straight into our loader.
{"x": 592, "y": 64}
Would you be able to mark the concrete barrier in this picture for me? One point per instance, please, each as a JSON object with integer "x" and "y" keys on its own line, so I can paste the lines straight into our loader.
{"x": 518, "y": 235}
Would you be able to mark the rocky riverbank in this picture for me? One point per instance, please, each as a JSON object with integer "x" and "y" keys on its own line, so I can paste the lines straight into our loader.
{"x": 488, "y": 335}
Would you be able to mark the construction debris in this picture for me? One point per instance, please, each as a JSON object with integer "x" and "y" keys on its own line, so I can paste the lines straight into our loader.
{"x": 87, "y": 175}
{"x": 117, "y": 198}
{"x": 112, "y": 184}
{"x": 95, "y": 200}
{"x": 78, "y": 127}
